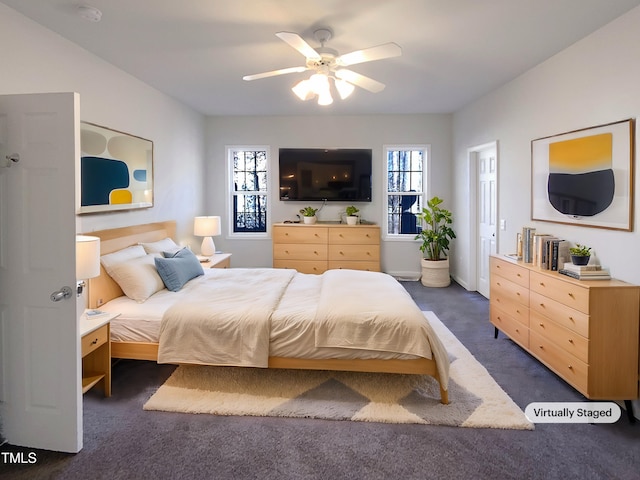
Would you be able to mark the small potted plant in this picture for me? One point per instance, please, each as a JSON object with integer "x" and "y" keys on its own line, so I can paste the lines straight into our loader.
{"x": 352, "y": 218}
{"x": 580, "y": 254}
{"x": 435, "y": 237}
{"x": 309, "y": 215}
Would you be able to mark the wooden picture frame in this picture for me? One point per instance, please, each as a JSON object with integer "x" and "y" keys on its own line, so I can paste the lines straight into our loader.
{"x": 585, "y": 177}
{"x": 115, "y": 172}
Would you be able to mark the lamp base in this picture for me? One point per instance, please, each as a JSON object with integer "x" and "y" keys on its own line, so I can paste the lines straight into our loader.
{"x": 207, "y": 248}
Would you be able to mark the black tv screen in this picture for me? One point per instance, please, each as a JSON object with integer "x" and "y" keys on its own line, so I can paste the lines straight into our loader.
{"x": 334, "y": 174}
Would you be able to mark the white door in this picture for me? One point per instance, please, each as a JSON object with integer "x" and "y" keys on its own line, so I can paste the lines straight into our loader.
{"x": 39, "y": 340}
{"x": 486, "y": 214}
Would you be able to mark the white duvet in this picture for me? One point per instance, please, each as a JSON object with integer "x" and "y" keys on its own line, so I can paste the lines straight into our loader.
{"x": 242, "y": 316}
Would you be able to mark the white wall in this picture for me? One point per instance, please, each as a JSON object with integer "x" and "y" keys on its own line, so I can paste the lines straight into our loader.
{"x": 595, "y": 81}
{"x": 373, "y": 132}
{"x": 35, "y": 59}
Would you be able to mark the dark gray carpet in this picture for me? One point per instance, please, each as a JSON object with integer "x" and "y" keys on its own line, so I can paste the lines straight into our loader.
{"x": 122, "y": 441}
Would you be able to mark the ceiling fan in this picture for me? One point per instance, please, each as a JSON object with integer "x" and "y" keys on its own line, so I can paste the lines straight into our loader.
{"x": 327, "y": 64}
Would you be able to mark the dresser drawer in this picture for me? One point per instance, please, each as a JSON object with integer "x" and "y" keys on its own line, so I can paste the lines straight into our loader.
{"x": 512, "y": 328}
{"x": 300, "y": 234}
{"x": 514, "y": 309}
{"x": 355, "y": 252}
{"x": 354, "y": 236}
{"x": 568, "y": 317}
{"x": 94, "y": 339}
{"x": 295, "y": 251}
{"x": 572, "y": 370}
{"x": 303, "y": 266}
{"x": 508, "y": 270}
{"x": 566, "y": 339}
{"x": 509, "y": 290}
{"x": 565, "y": 292}
{"x": 354, "y": 265}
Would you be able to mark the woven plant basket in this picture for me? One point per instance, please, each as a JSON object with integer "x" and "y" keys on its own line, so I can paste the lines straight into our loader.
{"x": 435, "y": 273}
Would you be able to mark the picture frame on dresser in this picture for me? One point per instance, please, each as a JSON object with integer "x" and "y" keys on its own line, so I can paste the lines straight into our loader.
{"x": 585, "y": 177}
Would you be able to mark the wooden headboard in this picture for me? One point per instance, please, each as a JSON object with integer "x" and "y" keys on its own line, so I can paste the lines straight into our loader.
{"x": 103, "y": 288}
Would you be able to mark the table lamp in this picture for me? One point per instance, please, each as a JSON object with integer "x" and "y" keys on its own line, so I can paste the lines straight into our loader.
{"x": 87, "y": 260}
{"x": 207, "y": 227}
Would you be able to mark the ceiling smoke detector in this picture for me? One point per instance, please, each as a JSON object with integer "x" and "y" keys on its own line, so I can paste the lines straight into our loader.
{"x": 89, "y": 13}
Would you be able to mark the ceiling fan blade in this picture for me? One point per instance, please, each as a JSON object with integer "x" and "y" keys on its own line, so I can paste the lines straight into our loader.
{"x": 299, "y": 44}
{"x": 360, "y": 80}
{"x": 380, "y": 52}
{"x": 273, "y": 73}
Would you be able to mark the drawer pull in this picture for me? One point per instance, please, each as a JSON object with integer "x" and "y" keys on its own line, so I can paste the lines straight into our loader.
{"x": 518, "y": 274}
{"x": 541, "y": 324}
{"x": 316, "y": 235}
{"x": 315, "y": 252}
{"x": 286, "y": 234}
{"x": 368, "y": 236}
{"x": 541, "y": 284}
{"x": 94, "y": 342}
{"x": 571, "y": 294}
{"x": 542, "y": 305}
{"x": 287, "y": 252}
{"x": 570, "y": 367}
{"x": 570, "y": 340}
{"x": 498, "y": 283}
{"x": 341, "y": 253}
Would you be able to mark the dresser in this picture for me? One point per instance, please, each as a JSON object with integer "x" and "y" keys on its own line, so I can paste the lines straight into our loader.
{"x": 319, "y": 247}
{"x": 587, "y": 332}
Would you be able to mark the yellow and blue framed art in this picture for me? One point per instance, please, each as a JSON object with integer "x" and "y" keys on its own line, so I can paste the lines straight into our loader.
{"x": 585, "y": 177}
{"x": 116, "y": 170}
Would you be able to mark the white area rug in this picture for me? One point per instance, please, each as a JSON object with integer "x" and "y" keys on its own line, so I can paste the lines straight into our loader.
{"x": 476, "y": 400}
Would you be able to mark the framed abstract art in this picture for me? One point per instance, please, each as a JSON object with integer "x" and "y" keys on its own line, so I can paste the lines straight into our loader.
{"x": 585, "y": 177}
{"x": 116, "y": 170}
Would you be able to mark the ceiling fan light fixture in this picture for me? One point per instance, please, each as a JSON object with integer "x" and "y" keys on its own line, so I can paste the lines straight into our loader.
{"x": 325, "y": 98}
{"x": 303, "y": 90}
{"x": 344, "y": 88}
{"x": 319, "y": 83}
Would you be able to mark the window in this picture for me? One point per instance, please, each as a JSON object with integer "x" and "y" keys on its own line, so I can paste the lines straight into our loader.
{"x": 405, "y": 188}
{"x": 248, "y": 167}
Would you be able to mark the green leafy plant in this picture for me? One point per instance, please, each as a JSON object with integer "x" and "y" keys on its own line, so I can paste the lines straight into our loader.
{"x": 437, "y": 232}
{"x": 351, "y": 211}
{"x": 580, "y": 250}
{"x": 308, "y": 211}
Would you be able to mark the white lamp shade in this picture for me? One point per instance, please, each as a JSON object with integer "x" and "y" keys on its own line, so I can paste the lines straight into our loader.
{"x": 87, "y": 257}
{"x": 206, "y": 226}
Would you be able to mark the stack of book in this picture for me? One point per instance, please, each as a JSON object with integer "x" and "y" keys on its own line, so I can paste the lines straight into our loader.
{"x": 585, "y": 272}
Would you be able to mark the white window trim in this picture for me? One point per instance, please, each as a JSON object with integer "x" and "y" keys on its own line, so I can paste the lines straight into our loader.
{"x": 426, "y": 188}
{"x": 230, "y": 190}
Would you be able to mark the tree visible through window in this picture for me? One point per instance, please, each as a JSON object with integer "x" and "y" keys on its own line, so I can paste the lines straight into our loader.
{"x": 249, "y": 189}
{"x": 406, "y": 168}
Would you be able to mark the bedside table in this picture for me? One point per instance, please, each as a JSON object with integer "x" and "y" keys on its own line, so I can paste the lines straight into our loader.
{"x": 219, "y": 260}
{"x": 96, "y": 351}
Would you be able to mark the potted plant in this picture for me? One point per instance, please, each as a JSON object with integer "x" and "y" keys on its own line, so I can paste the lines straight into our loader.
{"x": 435, "y": 235}
{"x": 580, "y": 254}
{"x": 352, "y": 218}
{"x": 309, "y": 215}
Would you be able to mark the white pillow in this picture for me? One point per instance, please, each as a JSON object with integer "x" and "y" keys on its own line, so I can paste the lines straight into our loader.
{"x": 121, "y": 256}
{"x": 166, "y": 245}
{"x": 138, "y": 277}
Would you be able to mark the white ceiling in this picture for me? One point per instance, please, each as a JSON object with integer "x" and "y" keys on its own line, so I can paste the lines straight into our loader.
{"x": 197, "y": 51}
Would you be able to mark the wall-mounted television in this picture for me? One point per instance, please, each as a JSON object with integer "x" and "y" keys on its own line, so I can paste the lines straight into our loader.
{"x": 333, "y": 174}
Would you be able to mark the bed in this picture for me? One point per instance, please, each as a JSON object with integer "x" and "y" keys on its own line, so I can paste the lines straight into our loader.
{"x": 269, "y": 318}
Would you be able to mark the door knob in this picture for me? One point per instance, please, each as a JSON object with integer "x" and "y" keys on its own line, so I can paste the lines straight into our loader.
{"x": 64, "y": 292}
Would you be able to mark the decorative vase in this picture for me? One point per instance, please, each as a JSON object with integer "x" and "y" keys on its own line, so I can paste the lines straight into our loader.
{"x": 310, "y": 220}
{"x": 352, "y": 219}
{"x": 435, "y": 273}
{"x": 580, "y": 259}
